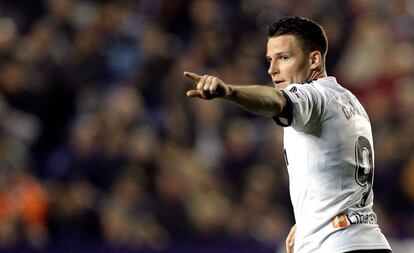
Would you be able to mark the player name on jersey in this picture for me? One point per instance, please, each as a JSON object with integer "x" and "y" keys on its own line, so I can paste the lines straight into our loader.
{"x": 350, "y": 110}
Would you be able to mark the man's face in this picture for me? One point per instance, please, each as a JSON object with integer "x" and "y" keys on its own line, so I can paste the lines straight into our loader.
{"x": 287, "y": 61}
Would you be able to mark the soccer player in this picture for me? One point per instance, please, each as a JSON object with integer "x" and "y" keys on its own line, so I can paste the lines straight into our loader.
{"x": 327, "y": 140}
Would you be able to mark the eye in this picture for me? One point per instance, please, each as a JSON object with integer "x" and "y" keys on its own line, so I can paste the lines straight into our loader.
{"x": 268, "y": 59}
{"x": 284, "y": 57}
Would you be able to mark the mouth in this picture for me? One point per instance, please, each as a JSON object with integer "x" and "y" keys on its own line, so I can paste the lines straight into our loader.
{"x": 276, "y": 82}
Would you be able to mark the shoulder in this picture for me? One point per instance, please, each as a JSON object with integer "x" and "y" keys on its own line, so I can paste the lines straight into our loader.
{"x": 328, "y": 84}
{"x": 323, "y": 89}
{"x": 306, "y": 91}
{"x": 307, "y": 102}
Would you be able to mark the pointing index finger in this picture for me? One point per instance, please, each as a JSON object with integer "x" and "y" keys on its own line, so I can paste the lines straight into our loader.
{"x": 192, "y": 76}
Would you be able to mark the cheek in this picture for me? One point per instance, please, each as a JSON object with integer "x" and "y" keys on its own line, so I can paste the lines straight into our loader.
{"x": 290, "y": 68}
{"x": 295, "y": 71}
{"x": 303, "y": 69}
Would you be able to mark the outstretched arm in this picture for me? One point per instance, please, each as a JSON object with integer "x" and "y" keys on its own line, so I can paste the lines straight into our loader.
{"x": 257, "y": 99}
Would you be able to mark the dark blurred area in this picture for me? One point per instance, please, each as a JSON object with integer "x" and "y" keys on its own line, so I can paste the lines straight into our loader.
{"x": 101, "y": 151}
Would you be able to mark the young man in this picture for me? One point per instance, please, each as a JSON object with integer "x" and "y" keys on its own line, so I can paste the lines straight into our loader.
{"x": 327, "y": 139}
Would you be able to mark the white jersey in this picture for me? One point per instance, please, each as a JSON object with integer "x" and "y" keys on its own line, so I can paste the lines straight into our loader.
{"x": 330, "y": 159}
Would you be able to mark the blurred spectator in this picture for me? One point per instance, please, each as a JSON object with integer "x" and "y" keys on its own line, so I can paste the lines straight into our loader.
{"x": 23, "y": 211}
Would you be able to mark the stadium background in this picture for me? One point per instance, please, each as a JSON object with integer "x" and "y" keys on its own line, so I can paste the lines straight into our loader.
{"x": 100, "y": 150}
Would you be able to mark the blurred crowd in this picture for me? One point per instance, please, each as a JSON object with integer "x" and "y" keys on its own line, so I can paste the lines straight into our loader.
{"x": 98, "y": 142}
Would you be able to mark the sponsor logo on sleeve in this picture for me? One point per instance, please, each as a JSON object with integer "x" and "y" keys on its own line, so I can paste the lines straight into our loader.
{"x": 294, "y": 91}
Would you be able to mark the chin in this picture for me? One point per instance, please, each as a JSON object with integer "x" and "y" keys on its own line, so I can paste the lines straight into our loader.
{"x": 281, "y": 85}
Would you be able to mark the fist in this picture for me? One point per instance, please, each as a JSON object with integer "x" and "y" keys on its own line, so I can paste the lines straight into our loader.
{"x": 208, "y": 87}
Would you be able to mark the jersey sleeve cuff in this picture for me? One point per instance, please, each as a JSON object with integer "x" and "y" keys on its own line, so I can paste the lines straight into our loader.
{"x": 284, "y": 119}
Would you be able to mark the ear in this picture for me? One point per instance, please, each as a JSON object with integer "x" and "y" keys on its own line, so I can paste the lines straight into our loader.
{"x": 315, "y": 60}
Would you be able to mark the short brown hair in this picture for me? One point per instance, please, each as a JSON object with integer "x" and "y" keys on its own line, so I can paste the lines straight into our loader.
{"x": 310, "y": 33}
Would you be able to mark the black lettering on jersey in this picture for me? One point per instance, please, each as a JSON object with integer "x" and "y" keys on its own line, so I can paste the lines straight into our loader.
{"x": 362, "y": 218}
{"x": 364, "y": 172}
{"x": 350, "y": 110}
{"x": 294, "y": 91}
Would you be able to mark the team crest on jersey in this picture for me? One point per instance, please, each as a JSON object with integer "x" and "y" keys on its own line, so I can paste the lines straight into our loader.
{"x": 340, "y": 221}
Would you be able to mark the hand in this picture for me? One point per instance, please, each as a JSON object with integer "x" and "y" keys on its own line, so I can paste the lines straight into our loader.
{"x": 208, "y": 87}
{"x": 290, "y": 239}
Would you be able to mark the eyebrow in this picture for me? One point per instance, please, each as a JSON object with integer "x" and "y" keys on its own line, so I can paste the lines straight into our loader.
{"x": 277, "y": 54}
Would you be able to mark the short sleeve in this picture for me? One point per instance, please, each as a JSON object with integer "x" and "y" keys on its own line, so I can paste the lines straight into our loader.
{"x": 304, "y": 107}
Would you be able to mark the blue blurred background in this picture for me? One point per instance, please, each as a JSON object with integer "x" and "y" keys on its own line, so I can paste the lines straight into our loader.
{"x": 100, "y": 150}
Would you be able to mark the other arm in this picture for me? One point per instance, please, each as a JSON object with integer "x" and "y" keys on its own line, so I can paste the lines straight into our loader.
{"x": 290, "y": 239}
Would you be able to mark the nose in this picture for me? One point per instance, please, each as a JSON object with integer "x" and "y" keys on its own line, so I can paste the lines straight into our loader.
{"x": 273, "y": 68}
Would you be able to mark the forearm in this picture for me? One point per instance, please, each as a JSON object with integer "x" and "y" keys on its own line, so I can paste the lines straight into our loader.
{"x": 258, "y": 99}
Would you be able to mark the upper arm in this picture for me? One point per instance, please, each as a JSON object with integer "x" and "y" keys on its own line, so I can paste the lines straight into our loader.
{"x": 303, "y": 108}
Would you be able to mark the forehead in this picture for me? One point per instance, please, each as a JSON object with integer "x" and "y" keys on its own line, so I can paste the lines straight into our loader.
{"x": 283, "y": 43}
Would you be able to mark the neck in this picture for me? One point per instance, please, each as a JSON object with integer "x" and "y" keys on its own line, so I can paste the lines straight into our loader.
{"x": 316, "y": 74}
